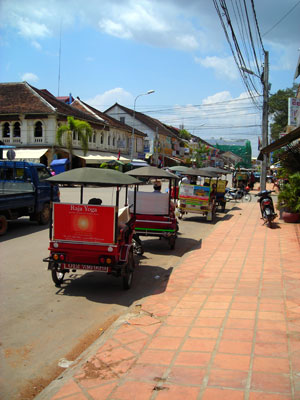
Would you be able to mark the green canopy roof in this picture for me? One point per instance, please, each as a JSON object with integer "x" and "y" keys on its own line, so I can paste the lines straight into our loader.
{"x": 216, "y": 170}
{"x": 93, "y": 176}
{"x": 151, "y": 172}
{"x": 200, "y": 172}
{"x": 179, "y": 168}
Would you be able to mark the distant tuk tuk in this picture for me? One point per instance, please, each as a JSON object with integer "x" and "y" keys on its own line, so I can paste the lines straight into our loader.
{"x": 220, "y": 184}
{"x": 241, "y": 179}
{"x": 198, "y": 199}
{"x": 155, "y": 213}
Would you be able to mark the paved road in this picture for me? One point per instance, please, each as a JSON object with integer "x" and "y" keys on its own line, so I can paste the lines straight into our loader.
{"x": 41, "y": 324}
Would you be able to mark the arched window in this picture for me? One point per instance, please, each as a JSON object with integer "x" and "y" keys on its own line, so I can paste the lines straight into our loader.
{"x": 101, "y": 138}
{"x": 38, "y": 129}
{"x": 94, "y": 137}
{"x": 17, "y": 129}
{"x": 6, "y": 130}
{"x": 114, "y": 141}
{"x": 108, "y": 140}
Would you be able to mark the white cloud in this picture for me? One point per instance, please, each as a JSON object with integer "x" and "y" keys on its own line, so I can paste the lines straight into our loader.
{"x": 223, "y": 67}
{"x": 106, "y": 99}
{"x": 36, "y": 44}
{"x": 218, "y": 116}
{"x": 115, "y": 29}
{"x": 189, "y": 26}
{"x": 29, "y": 77}
{"x": 217, "y": 98}
{"x": 31, "y": 29}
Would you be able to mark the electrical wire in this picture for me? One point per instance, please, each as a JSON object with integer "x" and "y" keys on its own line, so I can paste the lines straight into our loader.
{"x": 249, "y": 57}
{"x": 281, "y": 19}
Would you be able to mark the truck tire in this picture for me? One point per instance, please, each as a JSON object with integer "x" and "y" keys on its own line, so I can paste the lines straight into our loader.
{"x": 44, "y": 215}
{"x": 3, "y": 225}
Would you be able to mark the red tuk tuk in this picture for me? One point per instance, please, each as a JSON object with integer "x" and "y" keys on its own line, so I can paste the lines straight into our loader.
{"x": 91, "y": 237}
{"x": 155, "y": 214}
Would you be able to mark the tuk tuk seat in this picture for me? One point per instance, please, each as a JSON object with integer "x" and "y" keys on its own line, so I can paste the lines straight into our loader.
{"x": 150, "y": 203}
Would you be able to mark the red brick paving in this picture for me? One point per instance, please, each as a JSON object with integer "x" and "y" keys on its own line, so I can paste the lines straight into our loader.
{"x": 226, "y": 326}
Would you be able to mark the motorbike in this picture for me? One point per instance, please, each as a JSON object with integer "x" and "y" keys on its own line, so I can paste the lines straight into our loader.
{"x": 266, "y": 206}
{"x": 237, "y": 194}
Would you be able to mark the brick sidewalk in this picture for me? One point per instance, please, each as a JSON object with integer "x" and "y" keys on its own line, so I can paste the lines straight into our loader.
{"x": 226, "y": 325}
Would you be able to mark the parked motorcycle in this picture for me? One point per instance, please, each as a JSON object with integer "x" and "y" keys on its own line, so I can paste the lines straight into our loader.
{"x": 237, "y": 194}
{"x": 266, "y": 206}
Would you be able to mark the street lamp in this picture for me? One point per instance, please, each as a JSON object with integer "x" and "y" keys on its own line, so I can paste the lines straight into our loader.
{"x": 265, "y": 82}
{"x": 132, "y": 135}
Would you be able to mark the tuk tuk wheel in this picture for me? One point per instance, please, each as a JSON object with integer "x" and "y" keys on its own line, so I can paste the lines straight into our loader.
{"x": 128, "y": 272}
{"x": 57, "y": 276}
{"x": 172, "y": 242}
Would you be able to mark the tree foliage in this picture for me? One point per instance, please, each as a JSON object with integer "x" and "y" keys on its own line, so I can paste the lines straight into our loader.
{"x": 184, "y": 134}
{"x": 200, "y": 154}
{"x": 278, "y": 109}
{"x": 289, "y": 196}
{"x": 73, "y": 127}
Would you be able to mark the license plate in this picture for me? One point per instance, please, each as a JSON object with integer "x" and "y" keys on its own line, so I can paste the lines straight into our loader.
{"x": 99, "y": 268}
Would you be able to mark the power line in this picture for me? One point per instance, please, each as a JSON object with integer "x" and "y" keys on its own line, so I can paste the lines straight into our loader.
{"x": 281, "y": 19}
{"x": 182, "y": 106}
{"x": 245, "y": 28}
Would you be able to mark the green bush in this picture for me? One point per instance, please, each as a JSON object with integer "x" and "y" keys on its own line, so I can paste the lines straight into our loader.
{"x": 289, "y": 195}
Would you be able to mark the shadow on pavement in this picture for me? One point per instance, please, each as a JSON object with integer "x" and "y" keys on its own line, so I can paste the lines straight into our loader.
{"x": 161, "y": 247}
{"x": 21, "y": 227}
{"x": 236, "y": 208}
{"x": 102, "y": 288}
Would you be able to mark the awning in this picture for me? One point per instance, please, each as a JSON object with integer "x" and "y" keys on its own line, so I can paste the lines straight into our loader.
{"x": 148, "y": 155}
{"x": 93, "y": 157}
{"x": 124, "y": 160}
{"x": 231, "y": 156}
{"x": 283, "y": 141}
{"x": 30, "y": 155}
{"x": 139, "y": 163}
{"x": 175, "y": 159}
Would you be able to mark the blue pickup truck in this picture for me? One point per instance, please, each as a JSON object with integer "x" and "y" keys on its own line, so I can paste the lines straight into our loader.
{"x": 24, "y": 192}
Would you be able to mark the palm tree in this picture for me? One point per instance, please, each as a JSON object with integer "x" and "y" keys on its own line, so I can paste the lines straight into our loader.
{"x": 82, "y": 128}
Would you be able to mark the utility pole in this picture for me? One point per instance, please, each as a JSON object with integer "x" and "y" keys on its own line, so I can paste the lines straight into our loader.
{"x": 265, "y": 83}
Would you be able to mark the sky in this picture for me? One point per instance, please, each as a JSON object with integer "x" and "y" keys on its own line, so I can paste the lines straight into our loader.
{"x": 107, "y": 51}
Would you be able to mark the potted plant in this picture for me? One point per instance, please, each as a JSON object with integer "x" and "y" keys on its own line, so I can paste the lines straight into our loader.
{"x": 289, "y": 199}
